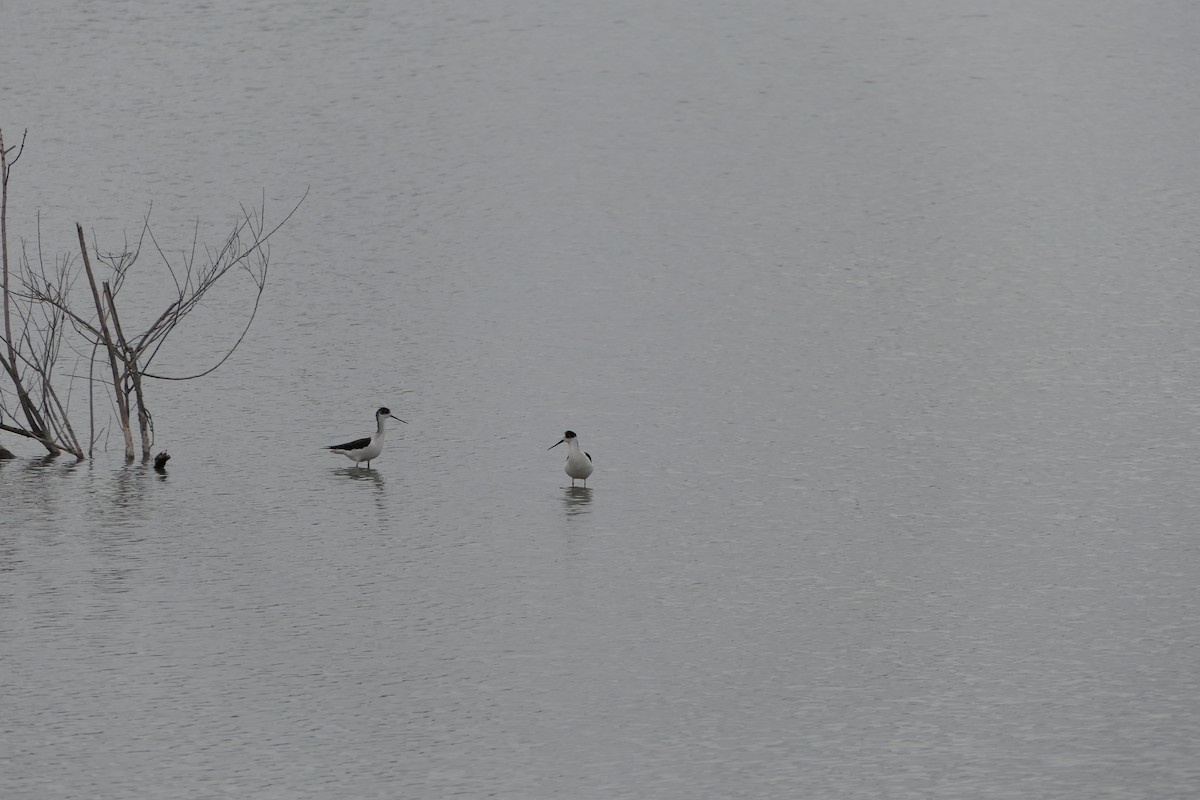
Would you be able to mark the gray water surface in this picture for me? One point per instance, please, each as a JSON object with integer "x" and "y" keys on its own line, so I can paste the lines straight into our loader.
{"x": 878, "y": 319}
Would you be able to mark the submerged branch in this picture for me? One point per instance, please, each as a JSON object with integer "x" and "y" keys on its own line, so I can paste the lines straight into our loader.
{"x": 39, "y": 319}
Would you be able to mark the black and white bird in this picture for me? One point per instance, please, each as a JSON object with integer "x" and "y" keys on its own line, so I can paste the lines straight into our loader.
{"x": 579, "y": 463}
{"x": 369, "y": 448}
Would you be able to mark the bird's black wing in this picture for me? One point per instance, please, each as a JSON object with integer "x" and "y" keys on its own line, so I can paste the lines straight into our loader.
{"x": 589, "y": 455}
{"x": 357, "y": 444}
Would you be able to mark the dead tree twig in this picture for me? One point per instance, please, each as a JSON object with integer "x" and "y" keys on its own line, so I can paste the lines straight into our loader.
{"x": 40, "y": 317}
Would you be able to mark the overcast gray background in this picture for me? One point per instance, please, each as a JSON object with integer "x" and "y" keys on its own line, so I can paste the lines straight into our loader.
{"x": 879, "y": 320}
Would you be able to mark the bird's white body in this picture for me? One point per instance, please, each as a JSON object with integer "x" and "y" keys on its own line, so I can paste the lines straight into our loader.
{"x": 359, "y": 454}
{"x": 579, "y": 463}
{"x": 366, "y": 449}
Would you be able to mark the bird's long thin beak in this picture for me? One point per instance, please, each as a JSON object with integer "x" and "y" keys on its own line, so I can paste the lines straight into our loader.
{"x": 556, "y": 444}
{"x": 393, "y": 416}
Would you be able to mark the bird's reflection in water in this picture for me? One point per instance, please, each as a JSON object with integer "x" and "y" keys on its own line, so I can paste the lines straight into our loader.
{"x": 362, "y": 474}
{"x": 576, "y": 500}
{"x": 369, "y": 478}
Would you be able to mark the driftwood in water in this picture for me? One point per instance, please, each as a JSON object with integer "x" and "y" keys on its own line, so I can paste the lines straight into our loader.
{"x": 44, "y": 309}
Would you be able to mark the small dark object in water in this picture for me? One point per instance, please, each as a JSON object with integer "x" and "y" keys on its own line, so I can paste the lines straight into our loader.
{"x": 6, "y": 453}
{"x": 160, "y": 460}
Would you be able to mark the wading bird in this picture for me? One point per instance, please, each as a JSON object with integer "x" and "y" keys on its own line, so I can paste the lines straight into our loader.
{"x": 579, "y": 463}
{"x": 369, "y": 448}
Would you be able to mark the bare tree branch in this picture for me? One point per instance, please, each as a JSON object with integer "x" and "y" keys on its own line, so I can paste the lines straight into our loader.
{"x": 122, "y": 404}
{"x": 39, "y": 319}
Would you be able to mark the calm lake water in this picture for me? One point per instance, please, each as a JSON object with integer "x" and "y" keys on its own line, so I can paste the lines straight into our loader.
{"x": 879, "y": 319}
